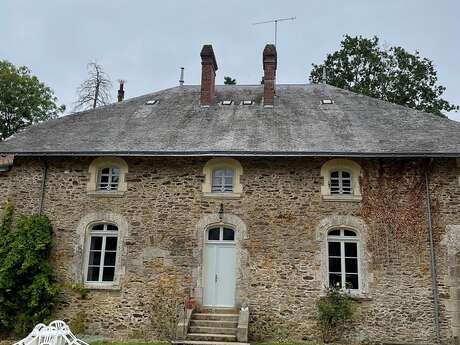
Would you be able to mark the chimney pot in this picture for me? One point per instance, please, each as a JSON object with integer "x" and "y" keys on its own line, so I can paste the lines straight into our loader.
{"x": 121, "y": 91}
{"x": 208, "y": 75}
{"x": 269, "y": 63}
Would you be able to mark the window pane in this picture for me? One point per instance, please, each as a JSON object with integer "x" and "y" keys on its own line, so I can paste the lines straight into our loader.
{"x": 214, "y": 234}
{"x": 334, "y": 248}
{"x": 104, "y": 179}
{"x": 229, "y": 235}
{"x": 111, "y": 243}
{"x": 105, "y": 171}
{"x": 96, "y": 243}
{"x": 112, "y": 227}
{"x": 94, "y": 258}
{"x": 351, "y": 265}
{"x": 218, "y": 173}
{"x": 115, "y": 179}
{"x": 349, "y": 233}
{"x": 335, "y": 174}
{"x": 351, "y": 281}
{"x": 345, "y": 174}
{"x": 351, "y": 249}
{"x": 335, "y": 265}
{"x": 108, "y": 274}
{"x": 109, "y": 258}
{"x": 334, "y": 232}
{"x": 93, "y": 274}
{"x": 335, "y": 280}
{"x": 115, "y": 171}
{"x": 98, "y": 227}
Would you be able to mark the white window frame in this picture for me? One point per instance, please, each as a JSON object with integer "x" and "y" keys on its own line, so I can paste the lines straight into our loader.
{"x": 104, "y": 234}
{"x": 221, "y": 234}
{"x": 348, "y": 166}
{"x": 109, "y": 183}
{"x": 208, "y": 173}
{"x": 222, "y": 186}
{"x": 340, "y": 180}
{"x": 342, "y": 239}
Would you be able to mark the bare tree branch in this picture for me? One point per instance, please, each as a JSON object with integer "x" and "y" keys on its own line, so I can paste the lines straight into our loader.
{"x": 94, "y": 91}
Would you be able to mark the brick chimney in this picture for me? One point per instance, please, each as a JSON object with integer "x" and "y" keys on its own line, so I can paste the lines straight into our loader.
{"x": 121, "y": 91}
{"x": 208, "y": 75}
{"x": 269, "y": 61}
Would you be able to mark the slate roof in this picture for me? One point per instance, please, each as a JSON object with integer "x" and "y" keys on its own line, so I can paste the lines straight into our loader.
{"x": 298, "y": 124}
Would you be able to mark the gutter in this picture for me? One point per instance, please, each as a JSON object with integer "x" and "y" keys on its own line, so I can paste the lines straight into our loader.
{"x": 239, "y": 154}
{"x": 434, "y": 279}
{"x": 43, "y": 186}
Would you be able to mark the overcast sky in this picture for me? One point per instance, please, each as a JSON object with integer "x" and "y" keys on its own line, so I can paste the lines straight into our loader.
{"x": 145, "y": 42}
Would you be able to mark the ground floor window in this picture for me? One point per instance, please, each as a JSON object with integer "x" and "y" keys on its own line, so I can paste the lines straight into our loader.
{"x": 343, "y": 259}
{"x": 102, "y": 253}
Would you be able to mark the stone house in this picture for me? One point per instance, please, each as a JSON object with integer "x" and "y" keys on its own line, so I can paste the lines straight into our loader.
{"x": 249, "y": 195}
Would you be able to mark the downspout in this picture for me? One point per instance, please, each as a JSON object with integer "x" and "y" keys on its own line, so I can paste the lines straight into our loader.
{"x": 434, "y": 279}
{"x": 43, "y": 187}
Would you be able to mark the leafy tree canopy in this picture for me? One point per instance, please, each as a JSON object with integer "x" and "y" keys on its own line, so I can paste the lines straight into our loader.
{"x": 24, "y": 100}
{"x": 229, "y": 81}
{"x": 391, "y": 74}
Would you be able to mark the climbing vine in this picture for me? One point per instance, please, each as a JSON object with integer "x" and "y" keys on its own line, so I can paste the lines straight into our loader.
{"x": 28, "y": 290}
{"x": 394, "y": 207}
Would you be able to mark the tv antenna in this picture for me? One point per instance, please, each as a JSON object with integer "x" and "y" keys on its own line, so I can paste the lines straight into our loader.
{"x": 275, "y": 21}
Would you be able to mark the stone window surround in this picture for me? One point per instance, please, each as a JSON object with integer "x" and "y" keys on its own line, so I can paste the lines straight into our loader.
{"x": 81, "y": 252}
{"x": 360, "y": 228}
{"x": 242, "y": 254}
{"x": 345, "y": 165}
{"x": 222, "y": 162}
{"x": 106, "y": 162}
{"x": 458, "y": 170}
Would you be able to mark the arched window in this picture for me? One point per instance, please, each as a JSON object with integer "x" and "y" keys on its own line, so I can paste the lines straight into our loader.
{"x": 102, "y": 255}
{"x": 343, "y": 259}
{"x": 108, "y": 179}
{"x": 221, "y": 234}
{"x": 223, "y": 180}
{"x": 341, "y": 183}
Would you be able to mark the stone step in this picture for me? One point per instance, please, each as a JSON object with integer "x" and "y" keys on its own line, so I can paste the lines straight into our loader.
{"x": 211, "y": 337}
{"x": 213, "y": 330}
{"x": 211, "y": 316}
{"x": 214, "y": 323}
{"x": 207, "y": 310}
{"x": 201, "y": 342}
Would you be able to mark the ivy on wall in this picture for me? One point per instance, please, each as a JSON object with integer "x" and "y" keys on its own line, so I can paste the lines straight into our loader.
{"x": 28, "y": 290}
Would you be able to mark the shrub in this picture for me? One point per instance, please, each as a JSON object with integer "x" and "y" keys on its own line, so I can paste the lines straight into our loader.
{"x": 334, "y": 310}
{"x": 28, "y": 291}
{"x": 78, "y": 323}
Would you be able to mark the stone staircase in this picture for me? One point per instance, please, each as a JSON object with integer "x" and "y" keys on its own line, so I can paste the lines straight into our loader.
{"x": 213, "y": 326}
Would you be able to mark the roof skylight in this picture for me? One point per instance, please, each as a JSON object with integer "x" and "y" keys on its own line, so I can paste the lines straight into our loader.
{"x": 327, "y": 101}
{"x": 247, "y": 102}
{"x": 227, "y": 102}
{"x": 152, "y": 102}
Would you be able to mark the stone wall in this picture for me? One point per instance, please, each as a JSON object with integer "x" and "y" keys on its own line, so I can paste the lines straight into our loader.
{"x": 280, "y": 274}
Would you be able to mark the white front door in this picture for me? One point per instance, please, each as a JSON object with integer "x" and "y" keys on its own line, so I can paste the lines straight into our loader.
{"x": 219, "y": 268}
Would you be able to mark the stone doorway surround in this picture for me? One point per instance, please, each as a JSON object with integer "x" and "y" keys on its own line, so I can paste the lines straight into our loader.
{"x": 241, "y": 253}
{"x": 451, "y": 241}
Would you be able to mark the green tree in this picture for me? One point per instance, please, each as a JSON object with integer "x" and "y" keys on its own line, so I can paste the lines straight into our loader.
{"x": 229, "y": 81}
{"x": 24, "y": 100}
{"x": 391, "y": 74}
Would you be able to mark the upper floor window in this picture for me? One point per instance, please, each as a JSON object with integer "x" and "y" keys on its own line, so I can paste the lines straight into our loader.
{"x": 102, "y": 253}
{"x": 107, "y": 176}
{"x": 343, "y": 259}
{"x": 341, "y": 180}
{"x": 108, "y": 179}
{"x": 223, "y": 180}
{"x": 341, "y": 183}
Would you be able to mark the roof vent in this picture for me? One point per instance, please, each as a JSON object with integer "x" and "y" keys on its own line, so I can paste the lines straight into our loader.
{"x": 226, "y": 102}
{"x": 327, "y": 101}
{"x": 152, "y": 102}
{"x": 247, "y": 102}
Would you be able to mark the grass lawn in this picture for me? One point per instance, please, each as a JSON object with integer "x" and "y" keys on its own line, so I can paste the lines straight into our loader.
{"x": 164, "y": 343}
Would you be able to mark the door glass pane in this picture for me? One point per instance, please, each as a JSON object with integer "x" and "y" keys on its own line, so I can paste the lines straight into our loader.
{"x": 111, "y": 243}
{"x": 334, "y": 265}
{"x": 335, "y": 280}
{"x": 93, "y": 274}
{"x": 112, "y": 227}
{"x": 96, "y": 243}
{"x": 351, "y": 281}
{"x": 108, "y": 274}
{"x": 334, "y": 233}
{"x": 351, "y": 265}
{"x": 214, "y": 234}
{"x": 109, "y": 258}
{"x": 229, "y": 235}
{"x": 351, "y": 250}
{"x": 334, "y": 248}
{"x": 98, "y": 227}
{"x": 94, "y": 258}
{"x": 349, "y": 233}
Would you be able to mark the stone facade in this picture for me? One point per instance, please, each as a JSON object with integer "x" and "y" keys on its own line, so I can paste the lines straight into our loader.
{"x": 280, "y": 245}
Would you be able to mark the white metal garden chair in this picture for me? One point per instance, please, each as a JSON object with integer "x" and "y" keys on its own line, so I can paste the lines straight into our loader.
{"x": 56, "y": 333}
